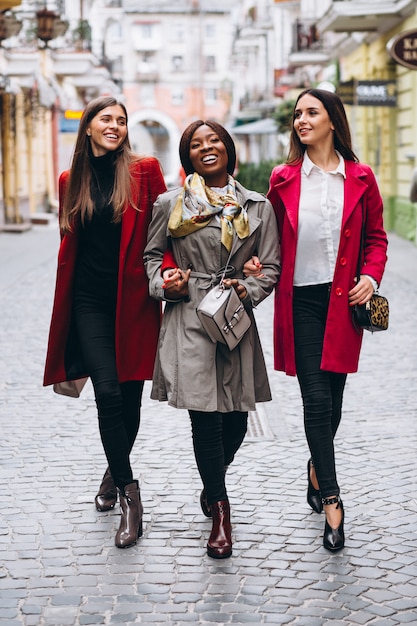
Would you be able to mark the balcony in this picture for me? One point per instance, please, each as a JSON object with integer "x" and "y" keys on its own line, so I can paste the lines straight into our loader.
{"x": 147, "y": 72}
{"x": 74, "y": 63}
{"x": 308, "y": 47}
{"x": 348, "y": 16}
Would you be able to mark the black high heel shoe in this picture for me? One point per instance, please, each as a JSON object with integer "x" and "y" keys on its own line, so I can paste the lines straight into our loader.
{"x": 313, "y": 495}
{"x": 334, "y": 538}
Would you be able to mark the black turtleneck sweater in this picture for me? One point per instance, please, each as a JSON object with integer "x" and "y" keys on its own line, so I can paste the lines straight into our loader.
{"x": 99, "y": 238}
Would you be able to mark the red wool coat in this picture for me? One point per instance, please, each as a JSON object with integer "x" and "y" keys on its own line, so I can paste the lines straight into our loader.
{"x": 342, "y": 341}
{"x": 138, "y": 316}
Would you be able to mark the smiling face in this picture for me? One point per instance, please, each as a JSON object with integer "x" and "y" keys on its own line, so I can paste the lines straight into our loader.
{"x": 208, "y": 156}
{"x": 312, "y": 122}
{"x": 107, "y": 130}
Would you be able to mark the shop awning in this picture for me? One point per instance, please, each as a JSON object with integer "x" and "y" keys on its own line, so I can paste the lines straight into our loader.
{"x": 266, "y": 126}
{"x": 9, "y": 4}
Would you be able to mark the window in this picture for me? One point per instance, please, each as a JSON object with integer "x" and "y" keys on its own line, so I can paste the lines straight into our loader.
{"x": 177, "y": 31}
{"x": 146, "y": 31}
{"x": 115, "y": 30}
{"x": 211, "y": 95}
{"x": 177, "y": 97}
{"x": 210, "y": 63}
{"x": 177, "y": 63}
{"x": 210, "y": 31}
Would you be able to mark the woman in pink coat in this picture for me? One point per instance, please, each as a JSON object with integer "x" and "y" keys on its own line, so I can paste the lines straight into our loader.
{"x": 322, "y": 196}
{"x": 104, "y": 323}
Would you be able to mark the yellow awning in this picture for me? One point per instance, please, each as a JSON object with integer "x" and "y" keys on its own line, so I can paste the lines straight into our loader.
{"x": 9, "y": 4}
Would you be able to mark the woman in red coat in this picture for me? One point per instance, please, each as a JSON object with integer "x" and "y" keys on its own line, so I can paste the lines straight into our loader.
{"x": 104, "y": 323}
{"x": 321, "y": 197}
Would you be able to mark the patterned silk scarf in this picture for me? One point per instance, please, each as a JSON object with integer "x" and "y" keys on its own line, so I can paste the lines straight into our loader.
{"x": 197, "y": 204}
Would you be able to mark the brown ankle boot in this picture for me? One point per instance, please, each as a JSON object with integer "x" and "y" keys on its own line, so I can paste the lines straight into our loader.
{"x": 131, "y": 522}
{"x": 219, "y": 545}
{"x": 106, "y": 497}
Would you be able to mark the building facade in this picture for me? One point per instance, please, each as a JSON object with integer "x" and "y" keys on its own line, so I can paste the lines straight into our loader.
{"x": 381, "y": 93}
{"x": 173, "y": 62}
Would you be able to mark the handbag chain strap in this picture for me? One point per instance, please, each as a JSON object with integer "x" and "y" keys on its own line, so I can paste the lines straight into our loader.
{"x": 225, "y": 268}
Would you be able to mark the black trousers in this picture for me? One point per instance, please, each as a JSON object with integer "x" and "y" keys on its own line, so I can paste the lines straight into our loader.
{"x": 118, "y": 404}
{"x": 322, "y": 391}
{"x": 216, "y": 439}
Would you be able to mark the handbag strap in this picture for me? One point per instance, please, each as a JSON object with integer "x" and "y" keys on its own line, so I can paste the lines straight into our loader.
{"x": 219, "y": 276}
{"x": 225, "y": 268}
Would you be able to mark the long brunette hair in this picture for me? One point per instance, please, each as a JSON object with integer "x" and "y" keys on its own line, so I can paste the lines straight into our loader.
{"x": 77, "y": 198}
{"x": 337, "y": 114}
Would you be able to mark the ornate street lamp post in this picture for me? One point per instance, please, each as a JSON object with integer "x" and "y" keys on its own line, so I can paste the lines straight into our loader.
{"x": 45, "y": 25}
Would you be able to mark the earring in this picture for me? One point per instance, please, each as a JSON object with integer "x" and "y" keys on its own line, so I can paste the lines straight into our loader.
{"x": 88, "y": 133}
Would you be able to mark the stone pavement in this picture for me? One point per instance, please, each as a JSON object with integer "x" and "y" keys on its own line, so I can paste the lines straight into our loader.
{"x": 58, "y": 564}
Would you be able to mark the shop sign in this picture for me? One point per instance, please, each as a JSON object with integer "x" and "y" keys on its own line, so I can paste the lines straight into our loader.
{"x": 403, "y": 49}
{"x": 369, "y": 92}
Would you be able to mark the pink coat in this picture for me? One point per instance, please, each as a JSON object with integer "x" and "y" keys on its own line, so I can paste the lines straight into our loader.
{"x": 137, "y": 314}
{"x": 342, "y": 341}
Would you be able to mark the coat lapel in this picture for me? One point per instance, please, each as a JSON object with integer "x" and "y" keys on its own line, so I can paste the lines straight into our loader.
{"x": 288, "y": 187}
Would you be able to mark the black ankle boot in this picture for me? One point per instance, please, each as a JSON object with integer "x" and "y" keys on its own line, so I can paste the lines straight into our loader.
{"x": 313, "y": 495}
{"x": 131, "y": 516}
{"x": 106, "y": 497}
{"x": 334, "y": 538}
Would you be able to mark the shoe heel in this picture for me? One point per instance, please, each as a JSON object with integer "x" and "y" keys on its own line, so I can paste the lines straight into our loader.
{"x": 334, "y": 538}
{"x": 313, "y": 495}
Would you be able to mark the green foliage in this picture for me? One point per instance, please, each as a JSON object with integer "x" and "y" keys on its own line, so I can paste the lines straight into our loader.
{"x": 83, "y": 31}
{"x": 283, "y": 114}
{"x": 256, "y": 176}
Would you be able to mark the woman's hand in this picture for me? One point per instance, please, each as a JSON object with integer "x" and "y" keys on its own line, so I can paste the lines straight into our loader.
{"x": 361, "y": 292}
{"x": 253, "y": 267}
{"x": 176, "y": 283}
{"x": 237, "y": 286}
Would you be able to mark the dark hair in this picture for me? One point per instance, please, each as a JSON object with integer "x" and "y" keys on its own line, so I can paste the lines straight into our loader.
{"x": 337, "y": 114}
{"x": 224, "y": 137}
{"x": 77, "y": 198}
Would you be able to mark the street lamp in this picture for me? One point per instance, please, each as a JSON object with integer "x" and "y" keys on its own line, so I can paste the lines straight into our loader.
{"x": 49, "y": 26}
{"x": 45, "y": 25}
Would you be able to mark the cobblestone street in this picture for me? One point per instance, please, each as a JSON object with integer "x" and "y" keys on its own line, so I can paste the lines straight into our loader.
{"x": 58, "y": 562}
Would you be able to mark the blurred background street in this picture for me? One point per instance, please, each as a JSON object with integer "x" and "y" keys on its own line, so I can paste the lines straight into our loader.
{"x": 240, "y": 62}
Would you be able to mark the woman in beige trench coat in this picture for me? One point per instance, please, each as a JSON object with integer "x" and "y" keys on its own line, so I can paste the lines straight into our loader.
{"x": 217, "y": 386}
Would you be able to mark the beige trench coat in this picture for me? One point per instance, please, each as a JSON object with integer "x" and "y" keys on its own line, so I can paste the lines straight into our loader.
{"x": 192, "y": 372}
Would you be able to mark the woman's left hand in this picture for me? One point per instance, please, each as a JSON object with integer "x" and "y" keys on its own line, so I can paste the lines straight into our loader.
{"x": 237, "y": 286}
{"x": 361, "y": 292}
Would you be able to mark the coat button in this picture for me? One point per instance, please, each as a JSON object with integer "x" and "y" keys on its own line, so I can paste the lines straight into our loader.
{"x": 338, "y": 291}
{"x": 347, "y": 232}
{"x": 343, "y": 261}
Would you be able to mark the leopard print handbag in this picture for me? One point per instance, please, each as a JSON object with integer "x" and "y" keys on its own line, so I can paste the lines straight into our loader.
{"x": 373, "y": 315}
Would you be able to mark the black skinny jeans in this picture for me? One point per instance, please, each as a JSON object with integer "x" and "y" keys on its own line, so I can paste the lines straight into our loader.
{"x": 321, "y": 391}
{"x": 118, "y": 404}
{"x": 216, "y": 439}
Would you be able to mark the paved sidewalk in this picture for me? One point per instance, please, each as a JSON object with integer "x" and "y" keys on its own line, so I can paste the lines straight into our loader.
{"x": 58, "y": 563}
